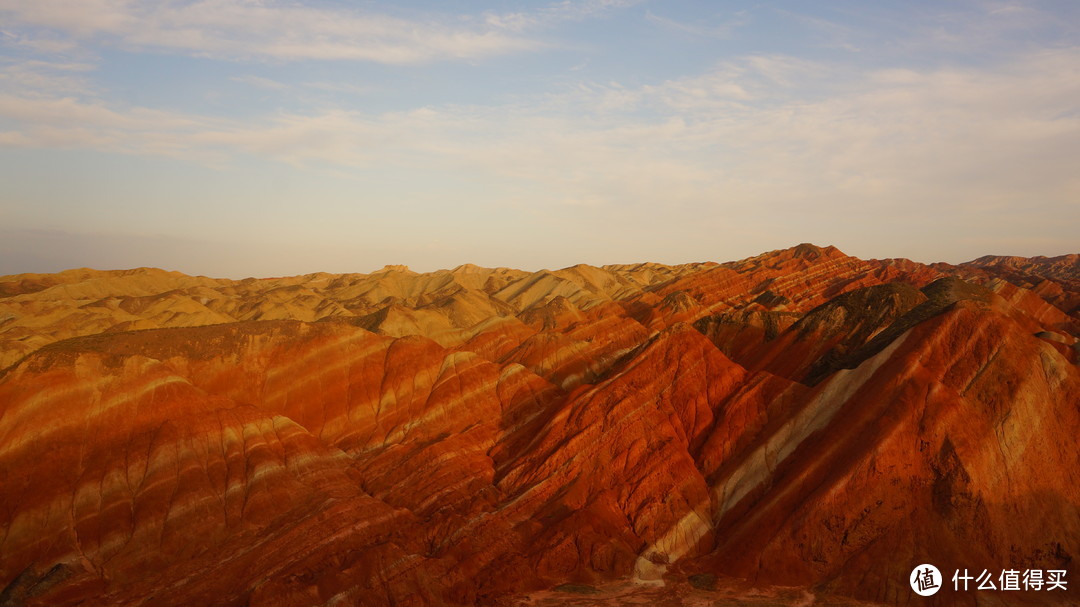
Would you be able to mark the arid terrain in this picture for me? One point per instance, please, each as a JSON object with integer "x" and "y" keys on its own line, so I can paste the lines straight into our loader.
{"x": 800, "y": 427}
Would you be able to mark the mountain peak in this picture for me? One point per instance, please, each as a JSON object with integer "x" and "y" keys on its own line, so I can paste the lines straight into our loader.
{"x": 811, "y": 252}
{"x": 396, "y": 268}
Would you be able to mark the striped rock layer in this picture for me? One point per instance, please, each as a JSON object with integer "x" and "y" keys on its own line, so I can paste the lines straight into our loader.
{"x": 798, "y": 419}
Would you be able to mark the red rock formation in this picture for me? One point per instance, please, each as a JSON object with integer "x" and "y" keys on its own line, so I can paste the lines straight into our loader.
{"x": 947, "y": 447}
{"x": 1055, "y": 279}
{"x": 802, "y": 418}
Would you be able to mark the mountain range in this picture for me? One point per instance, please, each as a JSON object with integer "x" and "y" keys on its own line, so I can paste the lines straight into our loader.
{"x": 802, "y": 426}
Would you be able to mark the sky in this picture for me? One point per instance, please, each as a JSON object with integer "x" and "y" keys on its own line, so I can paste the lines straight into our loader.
{"x": 236, "y": 138}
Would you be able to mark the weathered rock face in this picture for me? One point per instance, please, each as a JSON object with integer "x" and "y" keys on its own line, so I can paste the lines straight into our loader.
{"x": 938, "y": 449}
{"x": 798, "y": 419}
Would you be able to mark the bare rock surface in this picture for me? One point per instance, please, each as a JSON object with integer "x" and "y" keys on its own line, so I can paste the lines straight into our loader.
{"x": 801, "y": 427}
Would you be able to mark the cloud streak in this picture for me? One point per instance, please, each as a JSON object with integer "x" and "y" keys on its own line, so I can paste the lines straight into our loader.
{"x": 723, "y": 30}
{"x": 244, "y": 29}
{"x": 566, "y": 10}
{"x": 743, "y": 131}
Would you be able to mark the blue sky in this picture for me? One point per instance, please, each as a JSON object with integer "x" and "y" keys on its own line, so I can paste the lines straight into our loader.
{"x": 257, "y": 137}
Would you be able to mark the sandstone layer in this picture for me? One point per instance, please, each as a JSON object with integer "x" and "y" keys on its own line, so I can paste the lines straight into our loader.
{"x": 798, "y": 424}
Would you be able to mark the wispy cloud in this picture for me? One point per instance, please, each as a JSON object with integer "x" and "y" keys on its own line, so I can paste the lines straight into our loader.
{"x": 341, "y": 87}
{"x": 746, "y": 129}
{"x": 830, "y": 33}
{"x": 724, "y": 29}
{"x": 566, "y": 10}
{"x": 243, "y": 29}
{"x": 38, "y": 77}
{"x": 260, "y": 82}
{"x": 984, "y": 28}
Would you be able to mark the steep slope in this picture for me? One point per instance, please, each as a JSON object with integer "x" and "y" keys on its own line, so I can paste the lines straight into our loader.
{"x": 196, "y": 454}
{"x": 802, "y": 422}
{"x": 225, "y": 449}
{"x": 951, "y": 446}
